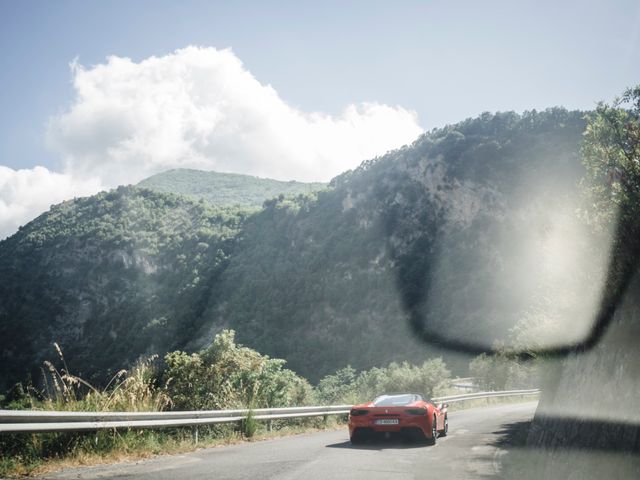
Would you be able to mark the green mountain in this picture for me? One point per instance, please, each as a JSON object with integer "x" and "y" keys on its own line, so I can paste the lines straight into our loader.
{"x": 225, "y": 189}
{"x": 110, "y": 277}
{"x": 323, "y": 279}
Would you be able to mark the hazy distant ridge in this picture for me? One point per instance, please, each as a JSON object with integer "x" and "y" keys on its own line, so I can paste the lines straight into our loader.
{"x": 225, "y": 189}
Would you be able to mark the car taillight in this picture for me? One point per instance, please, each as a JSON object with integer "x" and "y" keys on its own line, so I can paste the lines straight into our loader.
{"x": 356, "y": 412}
{"x": 416, "y": 411}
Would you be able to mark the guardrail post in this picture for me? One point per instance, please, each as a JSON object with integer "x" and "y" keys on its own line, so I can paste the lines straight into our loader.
{"x": 269, "y": 425}
{"x": 194, "y": 434}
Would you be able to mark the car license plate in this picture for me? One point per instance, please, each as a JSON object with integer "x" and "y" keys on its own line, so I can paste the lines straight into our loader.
{"x": 387, "y": 421}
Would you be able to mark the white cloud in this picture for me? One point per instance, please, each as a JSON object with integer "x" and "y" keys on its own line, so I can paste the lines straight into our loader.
{"x": 197, "y": 108}
{"x": 200, "y": 108}
{"x": 26, "y": 193}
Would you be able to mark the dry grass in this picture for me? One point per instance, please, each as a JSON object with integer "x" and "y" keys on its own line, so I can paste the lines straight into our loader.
{"x": 133, "y": 390}
{"x": 127, "y": 391}
{"x": 83, "y": 458}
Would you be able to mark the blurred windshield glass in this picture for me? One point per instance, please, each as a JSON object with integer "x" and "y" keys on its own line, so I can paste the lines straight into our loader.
{"x": 395, "y": 400}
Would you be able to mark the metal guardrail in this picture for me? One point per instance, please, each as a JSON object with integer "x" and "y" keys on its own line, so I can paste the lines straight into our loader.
{"x": 464, "y": 383}
{"x": 30, "y": 421}
{"x": 15, "y": 421}
{"x": 479, "y": 395}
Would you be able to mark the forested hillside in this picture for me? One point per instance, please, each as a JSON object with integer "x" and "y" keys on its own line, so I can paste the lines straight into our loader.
{"x": 323, "y": 280}
{"x": 225, "y": 189}
{"x": 109, "y": 277}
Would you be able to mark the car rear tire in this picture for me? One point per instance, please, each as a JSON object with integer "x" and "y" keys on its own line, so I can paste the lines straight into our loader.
{"x": 434, "y": 432}
{"x": 357, "y": 438}
{"x": 445, "y": 430}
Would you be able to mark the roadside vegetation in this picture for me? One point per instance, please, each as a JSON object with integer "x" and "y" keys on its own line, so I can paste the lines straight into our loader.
{"x": 347, "y": 386}
{"x": 225, "y": 375}
{"x": 500, "y": 372}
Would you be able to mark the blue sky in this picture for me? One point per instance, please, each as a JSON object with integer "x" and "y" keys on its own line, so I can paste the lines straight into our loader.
{"x": 348, "y": 80}
{"x": 445, "y": 60}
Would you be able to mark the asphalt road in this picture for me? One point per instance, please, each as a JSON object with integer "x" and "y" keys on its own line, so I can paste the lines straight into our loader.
{"x": 467, "y": 452}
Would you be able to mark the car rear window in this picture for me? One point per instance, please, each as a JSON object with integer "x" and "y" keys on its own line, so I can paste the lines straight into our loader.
{"x": 395, "y": 400}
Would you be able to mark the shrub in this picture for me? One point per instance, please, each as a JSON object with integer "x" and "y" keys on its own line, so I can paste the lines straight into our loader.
{"x": 347, "y": 386}
{"x": 497, "y": 372}
{"x": 249, "y": 425}
{"x": 226, "y": 375}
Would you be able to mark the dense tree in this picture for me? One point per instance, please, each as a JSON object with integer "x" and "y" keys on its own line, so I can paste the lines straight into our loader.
{"x": 611, "y": 154}
{"x": 346, "y": 386}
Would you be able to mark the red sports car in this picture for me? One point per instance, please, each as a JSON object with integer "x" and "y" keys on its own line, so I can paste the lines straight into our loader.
{"x": 406, "y": 413}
